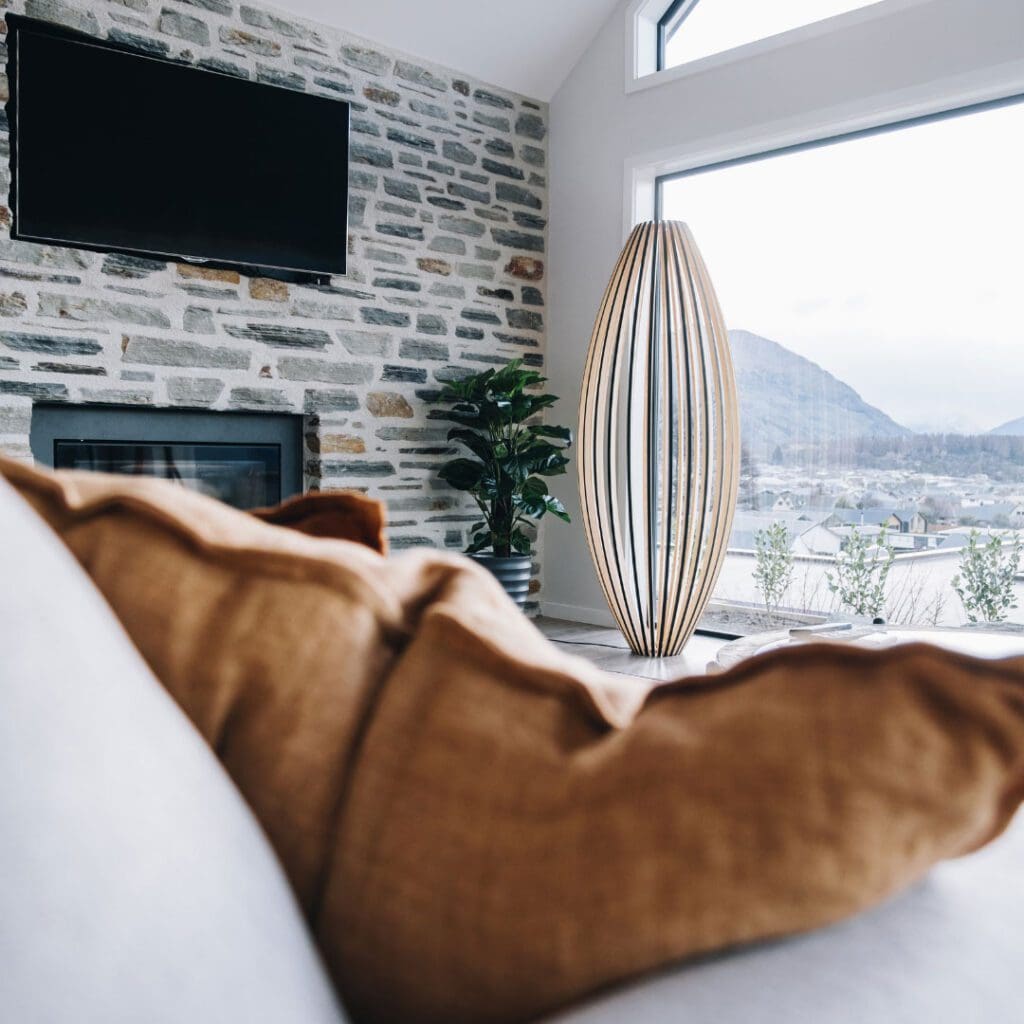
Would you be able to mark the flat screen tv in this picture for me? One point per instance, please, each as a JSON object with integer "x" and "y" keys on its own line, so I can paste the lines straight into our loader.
{"x": 120, "y": 151}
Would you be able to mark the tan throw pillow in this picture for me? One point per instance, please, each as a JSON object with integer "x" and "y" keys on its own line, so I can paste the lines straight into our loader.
{"x": 340, "y": 515}
{"x": 482, "y": 829}
{"x": 507, "y": 847}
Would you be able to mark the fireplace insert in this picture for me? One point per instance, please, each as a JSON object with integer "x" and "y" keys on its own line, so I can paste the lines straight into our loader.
{"x": 248, "y": 460}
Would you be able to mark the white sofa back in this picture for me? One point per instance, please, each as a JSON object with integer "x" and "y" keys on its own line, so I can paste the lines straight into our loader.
{"x": 134, "y": 883}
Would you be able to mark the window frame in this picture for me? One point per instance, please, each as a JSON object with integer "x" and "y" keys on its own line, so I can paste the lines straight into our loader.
{"x": 644, "y": 53}
{"x": 828, "y": 139}
{"x": 836, "y": 138}
{"x": 679, "y": 10}
{"x": 676, "y": 13}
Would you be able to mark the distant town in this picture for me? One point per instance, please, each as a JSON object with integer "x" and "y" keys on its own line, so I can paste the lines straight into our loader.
{"x": 811, "y": 471}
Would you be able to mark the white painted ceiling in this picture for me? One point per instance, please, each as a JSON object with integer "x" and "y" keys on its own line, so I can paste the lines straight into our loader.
{"x": 527, "y": 46}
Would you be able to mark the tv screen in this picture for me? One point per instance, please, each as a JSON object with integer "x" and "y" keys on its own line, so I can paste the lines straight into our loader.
{"x": 172, "y": 161}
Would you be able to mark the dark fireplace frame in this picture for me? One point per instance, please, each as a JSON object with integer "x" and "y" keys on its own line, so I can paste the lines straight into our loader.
{"x": 53, "y": 422}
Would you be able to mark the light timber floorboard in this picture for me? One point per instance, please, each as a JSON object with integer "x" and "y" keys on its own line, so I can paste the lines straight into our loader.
{"x": 607, "y": 648}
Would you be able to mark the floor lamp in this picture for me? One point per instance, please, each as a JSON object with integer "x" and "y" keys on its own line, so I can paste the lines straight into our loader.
{"x": 659, "y": 442}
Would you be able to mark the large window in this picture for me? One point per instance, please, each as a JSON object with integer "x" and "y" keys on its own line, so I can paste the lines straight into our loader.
{"x": 691, "y": 29}
{"x": 874, "y": 291}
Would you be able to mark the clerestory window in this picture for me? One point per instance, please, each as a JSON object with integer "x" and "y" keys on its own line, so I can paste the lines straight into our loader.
{"x": 692, "y": 29}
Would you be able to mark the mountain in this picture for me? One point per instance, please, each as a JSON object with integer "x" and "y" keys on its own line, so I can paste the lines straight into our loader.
{"x": 786, "y": 399}
{"x": 1014, "y": 427}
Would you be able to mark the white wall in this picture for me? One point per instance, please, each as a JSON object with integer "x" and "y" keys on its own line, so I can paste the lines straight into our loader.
{"x": 909, "y": 57}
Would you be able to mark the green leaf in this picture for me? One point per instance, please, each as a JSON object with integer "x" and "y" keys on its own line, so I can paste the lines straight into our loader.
{"x": 535, "y": 488}
{"x": 479, "y": 542}
{"x": 538, "y": 402}
{"x": 543, "y": 430}
{"x": 474, "y": 440}
{"x": 556, "y": 508}
{"x": 520, "y": 542}
{"x": 534, "y": 507}
{"x": 550, "y": 465}
{"x": 462, "y": 474}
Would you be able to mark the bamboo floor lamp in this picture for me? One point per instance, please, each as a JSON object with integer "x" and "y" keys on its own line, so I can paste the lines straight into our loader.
{"x": 659, "y": 439}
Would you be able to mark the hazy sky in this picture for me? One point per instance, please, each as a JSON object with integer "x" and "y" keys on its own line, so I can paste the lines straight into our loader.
{"x": 716, "y": 25}
{"x": 896, "y": 262}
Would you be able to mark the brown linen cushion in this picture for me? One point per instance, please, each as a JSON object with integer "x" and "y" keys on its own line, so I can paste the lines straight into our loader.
{"x": 509, "y": 844}
{"x": 341, "y": 515}
{"x": 483, "y": 829}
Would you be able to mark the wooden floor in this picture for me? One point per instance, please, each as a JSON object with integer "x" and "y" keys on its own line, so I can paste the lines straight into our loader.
{"x": 608, "y": 649}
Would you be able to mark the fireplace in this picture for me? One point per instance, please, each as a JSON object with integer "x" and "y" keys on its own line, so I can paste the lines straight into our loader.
{"x": 248, "y": 460}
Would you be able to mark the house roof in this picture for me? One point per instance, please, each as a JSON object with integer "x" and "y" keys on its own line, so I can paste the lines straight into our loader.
{"x": 746, "y": 524}
{"x": 863, "y": 516}
{"x": 986, "y": 513}
{"x": 954, "y": 539}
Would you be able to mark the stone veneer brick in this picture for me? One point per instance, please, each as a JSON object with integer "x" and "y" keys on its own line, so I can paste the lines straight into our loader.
{"x": 447, "y": 235}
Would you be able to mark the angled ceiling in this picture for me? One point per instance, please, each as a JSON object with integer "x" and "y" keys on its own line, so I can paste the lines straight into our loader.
{"x": 528, "y": 46}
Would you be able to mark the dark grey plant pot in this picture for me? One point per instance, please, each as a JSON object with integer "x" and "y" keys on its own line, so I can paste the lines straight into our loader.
{"x": 512, "y": 573}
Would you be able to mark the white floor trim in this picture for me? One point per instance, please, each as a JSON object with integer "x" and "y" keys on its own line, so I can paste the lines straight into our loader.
{"x": 576, "y": 613}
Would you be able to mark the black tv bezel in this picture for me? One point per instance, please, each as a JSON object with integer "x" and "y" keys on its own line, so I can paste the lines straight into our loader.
{"x": 19, "y": 23}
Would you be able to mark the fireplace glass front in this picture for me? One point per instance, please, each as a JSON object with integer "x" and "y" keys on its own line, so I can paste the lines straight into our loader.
{"x": 246, "y": 476}
{"x": 245, "y": 460}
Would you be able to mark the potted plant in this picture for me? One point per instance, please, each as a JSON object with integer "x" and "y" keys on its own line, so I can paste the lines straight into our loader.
{"x": 510, "y": 457}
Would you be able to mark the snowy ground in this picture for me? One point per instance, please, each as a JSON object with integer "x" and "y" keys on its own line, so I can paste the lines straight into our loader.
{"x": 920, "y": 592}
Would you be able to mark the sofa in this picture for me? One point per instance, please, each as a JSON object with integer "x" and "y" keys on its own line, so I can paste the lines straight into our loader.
{"x": 135, "y": 884}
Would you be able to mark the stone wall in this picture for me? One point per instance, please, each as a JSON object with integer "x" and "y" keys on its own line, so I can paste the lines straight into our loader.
{"x": 447, "y": 226}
